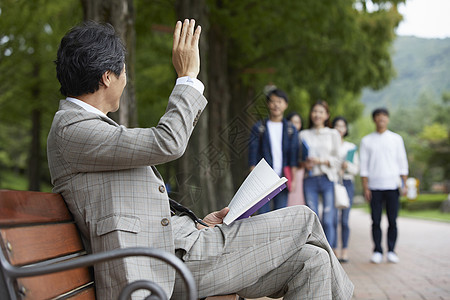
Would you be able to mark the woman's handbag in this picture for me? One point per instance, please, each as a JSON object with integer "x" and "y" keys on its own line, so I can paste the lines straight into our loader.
{"x": 341, "y": 200}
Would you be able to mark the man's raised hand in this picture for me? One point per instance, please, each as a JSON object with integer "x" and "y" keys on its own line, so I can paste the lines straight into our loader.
{"x": 185, "y": 52}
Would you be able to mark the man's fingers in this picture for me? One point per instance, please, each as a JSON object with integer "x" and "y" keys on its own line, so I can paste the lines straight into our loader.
{"x": 190, "y": 32}
{"x": 185, "y": 52}
{"x": 176, "y": 34}
{"x": 196, "y": 37}
{"x": 223, "y": 212}
{"x": 184, "y": 32}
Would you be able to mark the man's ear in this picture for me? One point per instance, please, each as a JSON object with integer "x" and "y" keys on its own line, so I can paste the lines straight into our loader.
{"x": 106, "y": 78}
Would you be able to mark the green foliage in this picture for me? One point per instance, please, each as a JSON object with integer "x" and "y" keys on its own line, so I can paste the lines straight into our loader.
{"x": 30, "y": 34}
{"x": 16, "y": 180}
{"x": 326, "y": 49}
{"x": 155, "y": 76}
{"x": 435, "y": 133}
{"x": 425, "y": 130}
{"x": 422, "y": 67}
{"x": 360, "y": 128}
{"x": 299, "y": 102}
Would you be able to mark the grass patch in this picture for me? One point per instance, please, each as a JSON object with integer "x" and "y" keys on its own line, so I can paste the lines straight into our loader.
{"x": 13, "y": 181}
{"x": 426, "y": 206}
{"x": 429, "y": 214}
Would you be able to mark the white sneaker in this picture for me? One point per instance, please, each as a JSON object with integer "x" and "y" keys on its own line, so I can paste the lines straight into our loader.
{"x": 377, "y": 257}
{"x": 392, "y": 257}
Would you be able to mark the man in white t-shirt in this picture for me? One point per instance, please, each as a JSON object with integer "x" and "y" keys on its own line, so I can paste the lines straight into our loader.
{"x": 276, "y": 140}
{"x": 383, "y": 164}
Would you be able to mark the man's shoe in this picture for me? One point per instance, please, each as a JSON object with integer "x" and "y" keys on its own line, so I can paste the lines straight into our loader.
{"x": 392, "y": 257}
{"x": 377, "y": 258}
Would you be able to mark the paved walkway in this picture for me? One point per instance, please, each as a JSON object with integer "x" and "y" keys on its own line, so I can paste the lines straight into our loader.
{"x": 424, "y": 268}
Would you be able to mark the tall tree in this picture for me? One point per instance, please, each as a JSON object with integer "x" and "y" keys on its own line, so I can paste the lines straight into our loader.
{"x": 120, "y": 14}
{"x": 30, "y": 32}
{"x": 198, "y": 185}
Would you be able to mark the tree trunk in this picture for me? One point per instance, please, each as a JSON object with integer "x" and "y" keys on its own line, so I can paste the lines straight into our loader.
{"x": 218, "y": 142}
{"x": 220, "y": 148}
{"x": 206, "y": 162}
{"x": 34, "y": 157}
{"x": 34, "y": 163}
{"x": 194, "y": 187}
{"x": 245, "y": 110}
{"x": 120, "y": 14}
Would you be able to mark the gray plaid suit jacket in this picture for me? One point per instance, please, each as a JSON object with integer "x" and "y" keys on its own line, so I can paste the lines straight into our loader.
{"x": 106, "y": 174}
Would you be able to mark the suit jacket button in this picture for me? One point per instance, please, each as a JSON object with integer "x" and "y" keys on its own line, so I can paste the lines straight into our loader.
{"x": 162, "y": 189}
{"x": 165, "y": 222}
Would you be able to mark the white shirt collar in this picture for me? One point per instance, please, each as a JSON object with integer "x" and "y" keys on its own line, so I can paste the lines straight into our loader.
{"x": 86, "y": 106}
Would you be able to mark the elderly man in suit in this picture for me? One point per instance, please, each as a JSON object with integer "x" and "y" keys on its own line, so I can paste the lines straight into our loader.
{"x": 106, "y": 174}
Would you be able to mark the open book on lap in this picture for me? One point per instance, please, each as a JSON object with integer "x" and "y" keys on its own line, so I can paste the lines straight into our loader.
{"x": 260, "y": 186}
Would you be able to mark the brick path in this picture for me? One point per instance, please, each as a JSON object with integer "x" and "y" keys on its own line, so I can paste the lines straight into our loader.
{"x": 424, "y": 268}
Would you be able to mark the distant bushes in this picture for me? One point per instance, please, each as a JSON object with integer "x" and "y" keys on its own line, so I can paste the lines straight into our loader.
{"x": 423, "y": 202}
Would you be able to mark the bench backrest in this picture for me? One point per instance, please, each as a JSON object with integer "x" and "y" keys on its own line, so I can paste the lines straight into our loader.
{"x": 37, "y": 229}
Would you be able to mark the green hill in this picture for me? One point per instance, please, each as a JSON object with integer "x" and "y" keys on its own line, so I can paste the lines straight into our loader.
{"x": 422, "y": 66}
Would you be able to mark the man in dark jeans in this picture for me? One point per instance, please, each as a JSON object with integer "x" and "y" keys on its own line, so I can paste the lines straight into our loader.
{"x": 276, "y": 140}
{"x": 383, "y": 163}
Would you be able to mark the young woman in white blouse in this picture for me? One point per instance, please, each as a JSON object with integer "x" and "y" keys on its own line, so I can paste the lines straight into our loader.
{"x": 321, "y": 163}
{"x": 349, "y": 168}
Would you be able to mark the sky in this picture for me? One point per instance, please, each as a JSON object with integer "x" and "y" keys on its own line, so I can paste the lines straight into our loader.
{"x": 425, "y": 18}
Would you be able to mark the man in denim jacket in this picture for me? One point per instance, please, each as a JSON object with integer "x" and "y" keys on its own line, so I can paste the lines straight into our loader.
{"x": 275, "y": 140}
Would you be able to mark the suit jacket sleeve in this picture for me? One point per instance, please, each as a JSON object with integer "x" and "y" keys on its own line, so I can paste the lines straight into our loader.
{"x": 91, "y": 146}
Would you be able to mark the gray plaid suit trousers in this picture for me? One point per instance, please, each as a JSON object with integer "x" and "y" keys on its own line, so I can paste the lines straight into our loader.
{"x": 283, "y": 253}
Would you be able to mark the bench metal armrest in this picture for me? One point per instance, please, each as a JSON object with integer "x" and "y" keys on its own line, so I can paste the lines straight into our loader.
{"x": 11, "y": 272}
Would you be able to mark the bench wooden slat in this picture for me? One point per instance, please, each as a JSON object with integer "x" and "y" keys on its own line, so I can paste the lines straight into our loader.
{"x": 37, "y": 229}
{"x": 25, "y": 245}
{"x": 53, "y": 285}
{"x": 25, "y": 207}
{"x": 87, "y": 294}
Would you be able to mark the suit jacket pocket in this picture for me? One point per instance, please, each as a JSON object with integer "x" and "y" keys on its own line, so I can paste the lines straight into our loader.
{"x": 118, "y": 223}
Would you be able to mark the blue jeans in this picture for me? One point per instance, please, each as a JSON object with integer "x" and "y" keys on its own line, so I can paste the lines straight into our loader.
{"x": 345, "y": 230}
{"x": 391, "y": 199}
{"x": 321, "y": 185}
{"x": 279, "y": 201}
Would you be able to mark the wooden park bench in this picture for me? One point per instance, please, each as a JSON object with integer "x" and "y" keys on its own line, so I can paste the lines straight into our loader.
{"x": 42, "y": 256}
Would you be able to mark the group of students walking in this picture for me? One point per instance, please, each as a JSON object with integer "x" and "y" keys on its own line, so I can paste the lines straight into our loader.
{"x": 314, "y": 159}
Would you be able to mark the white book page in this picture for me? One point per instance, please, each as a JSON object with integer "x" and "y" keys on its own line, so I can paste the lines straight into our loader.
{"x": 259, "y": 183}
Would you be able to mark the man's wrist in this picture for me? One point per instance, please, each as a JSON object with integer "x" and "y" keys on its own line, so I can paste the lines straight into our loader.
{"x": 194, "y": 82}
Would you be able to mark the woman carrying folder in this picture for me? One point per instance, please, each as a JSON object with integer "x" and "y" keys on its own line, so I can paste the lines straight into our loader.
{"x": 320, "y": 158}
{"x": 349, "y": 168}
